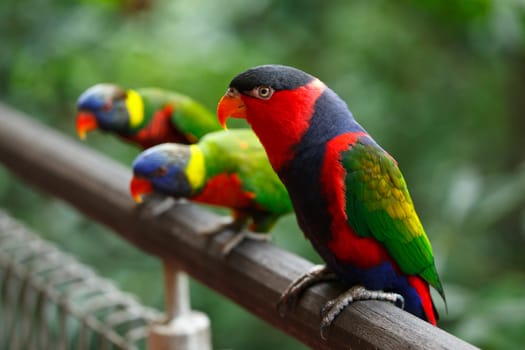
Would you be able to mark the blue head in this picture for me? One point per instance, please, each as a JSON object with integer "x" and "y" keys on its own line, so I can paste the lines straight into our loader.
{"x": 103, "y": 106}
{"x": 163, "y": 169}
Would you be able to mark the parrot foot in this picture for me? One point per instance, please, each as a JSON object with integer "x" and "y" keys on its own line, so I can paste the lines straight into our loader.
{"x": 240, "y": 236}
{"x": 259, "y": 236}
{"x": 162, "y": 207}
{"x": 224, "y": 223}
{"x": 236, "y": 226}
{"x": 318, "y": 273}
{"x": 334, "y": 307}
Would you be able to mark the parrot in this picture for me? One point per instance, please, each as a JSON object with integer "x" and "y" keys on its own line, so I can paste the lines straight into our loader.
{"x": 225, "y": 168}
{"x": 350, "y": 198}
{"x": 145, "y": 116}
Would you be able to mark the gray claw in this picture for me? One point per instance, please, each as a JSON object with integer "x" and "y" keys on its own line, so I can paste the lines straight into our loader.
{"x": 240, "y": 236}
{"x": 318, "y": 273}
{"x": 334, "y": 307}
{"x": 259, "y": 236}
{"x": 233, "y": 242}
{"x": 162, "y": 207}
{"x": 236, "y": 226}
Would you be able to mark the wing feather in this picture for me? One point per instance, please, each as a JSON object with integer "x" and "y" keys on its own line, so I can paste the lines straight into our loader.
{"x": 378, "y": 204}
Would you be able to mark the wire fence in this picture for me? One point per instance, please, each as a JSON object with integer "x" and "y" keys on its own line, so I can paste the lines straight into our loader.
{"x": 48, "y": 300}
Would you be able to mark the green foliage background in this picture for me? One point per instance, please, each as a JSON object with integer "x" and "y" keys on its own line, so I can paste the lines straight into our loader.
{"x": 439, "y": 84}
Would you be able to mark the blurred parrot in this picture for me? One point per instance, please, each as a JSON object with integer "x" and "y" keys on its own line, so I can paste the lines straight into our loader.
{"x": 350, "y": 197}
{"x": 225, "y": 168}
{"x": 146, "y": 116}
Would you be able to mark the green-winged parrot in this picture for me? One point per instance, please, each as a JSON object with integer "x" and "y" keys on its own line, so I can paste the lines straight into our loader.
{"x": 225, "y": 168}
{"x": 145, "y": 116}
{"x": 350, "y": 197}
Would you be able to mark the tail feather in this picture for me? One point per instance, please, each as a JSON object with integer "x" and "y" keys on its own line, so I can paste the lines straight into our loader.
{"x": 427, "y": 304}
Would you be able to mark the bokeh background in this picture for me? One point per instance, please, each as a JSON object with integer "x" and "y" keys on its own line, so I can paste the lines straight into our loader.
{"x": 440, "y": 84}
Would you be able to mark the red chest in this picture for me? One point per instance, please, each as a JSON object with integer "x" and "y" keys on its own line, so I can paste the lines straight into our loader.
{"x": 226, "y": 190}
{"x": 159, "y": 130}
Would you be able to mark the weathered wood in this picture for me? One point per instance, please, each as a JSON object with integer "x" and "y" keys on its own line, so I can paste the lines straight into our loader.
{"x": 253, "y": 275}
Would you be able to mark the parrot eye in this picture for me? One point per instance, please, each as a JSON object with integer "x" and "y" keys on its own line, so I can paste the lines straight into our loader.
{"x": 263, "y": 92}
{"x": 161, "y": 171}
{"x": 106, "y": 106}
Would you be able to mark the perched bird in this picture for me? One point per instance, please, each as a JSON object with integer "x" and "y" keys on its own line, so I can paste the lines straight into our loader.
{"x": 146, "y": 116}
{"x": 225, "y": 168}
{"x": 350, "y": 197}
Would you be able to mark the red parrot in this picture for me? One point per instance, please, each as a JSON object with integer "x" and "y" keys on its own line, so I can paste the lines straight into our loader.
{"x": 349, "y": 195}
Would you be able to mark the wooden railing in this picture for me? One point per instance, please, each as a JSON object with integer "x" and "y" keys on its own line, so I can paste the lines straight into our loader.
{"x": 253, "y": 275}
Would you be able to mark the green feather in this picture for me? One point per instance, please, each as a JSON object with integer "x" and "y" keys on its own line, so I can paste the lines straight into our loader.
{"x": 378, "y": 204}
{"x": 189, "y": 116}
{"x": 238, "y": 151}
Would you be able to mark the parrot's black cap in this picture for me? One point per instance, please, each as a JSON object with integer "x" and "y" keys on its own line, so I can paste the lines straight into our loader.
{"x": 277, "y": 77}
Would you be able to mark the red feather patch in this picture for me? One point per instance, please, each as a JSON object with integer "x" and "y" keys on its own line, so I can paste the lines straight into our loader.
{"x": 159, "y": 130}
{"x": 363, "y": 252}
{"x": 226, "y": 190}
{"x": 426, "y": 299}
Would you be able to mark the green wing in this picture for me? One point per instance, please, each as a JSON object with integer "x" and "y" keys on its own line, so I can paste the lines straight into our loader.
{"x": 378, "y": 204}
{"x": 240, "y": 151}
{"x": 195, "y": 119}
{"x": 189, "y": 116}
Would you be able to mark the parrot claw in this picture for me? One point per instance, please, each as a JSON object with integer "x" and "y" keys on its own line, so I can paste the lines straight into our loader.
{"x": 334, "y": 307}
{"x": 259, "y": 236}
{"x": 162, "y": 207}
{"x": 156, "y": 205}
{"x": 236, "y": 226}
{"x": 224, "y": 223}
{"x": 241, "y": 236}
{"x": 318, "y": 273}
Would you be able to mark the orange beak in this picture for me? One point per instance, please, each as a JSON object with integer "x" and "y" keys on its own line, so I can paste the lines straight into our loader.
{"x": 138, "y": 187}
{"x": 85, "y": 122}
{"x": 230, "y": 105}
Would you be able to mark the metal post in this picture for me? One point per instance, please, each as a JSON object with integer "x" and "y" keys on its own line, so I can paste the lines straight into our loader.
{"x": 183, "y": 328}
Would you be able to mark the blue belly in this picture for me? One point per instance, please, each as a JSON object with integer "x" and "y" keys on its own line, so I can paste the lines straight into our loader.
{"x": 382, "y": 277}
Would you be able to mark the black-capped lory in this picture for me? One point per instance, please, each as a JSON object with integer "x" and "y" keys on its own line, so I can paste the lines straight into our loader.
{"x": 225, "y": 168}
{"x": 145, "y": 116}
{"x": 350, "y": 197}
